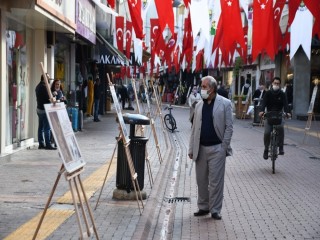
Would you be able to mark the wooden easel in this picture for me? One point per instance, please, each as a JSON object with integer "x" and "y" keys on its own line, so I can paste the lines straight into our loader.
{"x": 310, "y": 110}
{"x": 308, "y": 126}
{"x": 74, "y": 180}
{"x": 126, "y": 141}
{"x": 158, "y": 112}
{"x": 153, "y": 130}
{"x": 142, "y": 128}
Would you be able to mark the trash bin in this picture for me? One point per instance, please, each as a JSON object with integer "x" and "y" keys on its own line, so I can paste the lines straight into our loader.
{"x": 137, "y": 149}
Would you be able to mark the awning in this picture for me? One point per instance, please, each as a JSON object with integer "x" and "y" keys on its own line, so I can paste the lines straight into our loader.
{"x": 105, "y": 8}
{"x": 124, "y": 60}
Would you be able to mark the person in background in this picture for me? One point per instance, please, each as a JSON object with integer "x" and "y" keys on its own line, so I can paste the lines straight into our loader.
{"x": 193, "y": 99}
{"x": 247, "y": 91}
{"x": 288, "y": 90}
{"x": 274, "y": 100}
{"x": 57, "y": 91}
{"x": 123, "y": 91}
{"x": 209, "y": 145}
{"x": 97, "y": 94}
{"x": 130, "y": 96}
{"x": 43, "y": 126}
{"x": 223, "y": 92}
{"x": 258, "y": 95}
{"x": 90, "y": 96}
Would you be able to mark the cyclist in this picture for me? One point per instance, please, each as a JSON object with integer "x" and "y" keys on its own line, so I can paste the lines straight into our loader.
{"x": 274, "y": 100}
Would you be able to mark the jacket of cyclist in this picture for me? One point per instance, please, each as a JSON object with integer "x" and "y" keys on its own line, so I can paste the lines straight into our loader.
{"x": 274, "y": 100}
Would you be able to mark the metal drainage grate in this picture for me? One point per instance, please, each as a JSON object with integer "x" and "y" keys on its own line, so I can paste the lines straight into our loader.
{"x": 177, "y": 199}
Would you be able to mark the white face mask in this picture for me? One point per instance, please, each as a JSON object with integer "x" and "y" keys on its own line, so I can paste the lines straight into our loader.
{"x": 204, "y": 93}
{"x": 275, "y": 87}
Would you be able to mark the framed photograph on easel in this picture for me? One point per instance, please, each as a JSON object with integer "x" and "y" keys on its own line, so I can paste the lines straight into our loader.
{"x": 65, "y": 139}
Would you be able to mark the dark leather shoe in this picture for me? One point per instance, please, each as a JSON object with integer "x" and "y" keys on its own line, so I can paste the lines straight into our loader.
{"x": 50, "y": 148}
{"x": 41, "y": 147}
{"x": 201, "y": 213}
{"x": 265, "y": 154}
{"x": 281, "y": 152}
{"x": 216, "y": 216}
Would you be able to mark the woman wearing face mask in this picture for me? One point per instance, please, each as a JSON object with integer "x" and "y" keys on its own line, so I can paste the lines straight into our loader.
{"x": 194, "y": 98}
{"x": 274, "y": 100}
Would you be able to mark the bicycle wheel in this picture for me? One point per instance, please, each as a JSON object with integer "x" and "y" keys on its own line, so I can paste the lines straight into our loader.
{"x": 273, "y": 150}
{"x": 173, "y": 123}
{"x": 168, "y": 122}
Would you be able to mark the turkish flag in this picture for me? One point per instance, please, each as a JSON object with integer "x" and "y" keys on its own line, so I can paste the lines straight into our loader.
{"x": 262, "y": 30}
{"x": 119, "y": 32}
{"x": 230, "y": 33}
{"x": 112, "y": 3}
{"x": 128, "y": 38}
{"x": 165, "y": 14}
{"x": 154, "y": 32}
{"x": 135, "y": 13}
{"x": 187, "y": 48}
{"x": 277, "y": 10}
{"x": 169, "y": 49}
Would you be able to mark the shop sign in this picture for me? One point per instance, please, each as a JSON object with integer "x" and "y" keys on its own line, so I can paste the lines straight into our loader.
{"x": 64, "y": 10}
{"x": 86, "y": 20}
{"x": 110, "y": 59}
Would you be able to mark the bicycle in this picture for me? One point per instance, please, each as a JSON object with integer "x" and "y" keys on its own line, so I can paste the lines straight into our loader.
{"x": 274, "y": 119}
{"x": 169, "y": 120}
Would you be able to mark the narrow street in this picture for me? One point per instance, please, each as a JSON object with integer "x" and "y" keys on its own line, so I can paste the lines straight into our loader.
{"x": 257, "y": 203}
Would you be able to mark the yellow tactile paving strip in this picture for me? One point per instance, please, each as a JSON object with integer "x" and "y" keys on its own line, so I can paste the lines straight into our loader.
{"x": 52, "y": 220}
{"x": 91, "y": 184}
{"x": 55, "y": 217}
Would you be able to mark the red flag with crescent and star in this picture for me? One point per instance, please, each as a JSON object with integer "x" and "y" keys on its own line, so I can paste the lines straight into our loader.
{"x": 128, "y": 38}
{"x": 135, "y": 13}
{"x": 230, "y": 30}
{"x": 187, "y": 47}
{"x": 119, "y": 32}
{"x": 263, "y": 28}
{"x": 154, "y": 30}
{"x": 277, "y": 10}
{"x": 165, "y": 14}
{"x": 170, "y": 46}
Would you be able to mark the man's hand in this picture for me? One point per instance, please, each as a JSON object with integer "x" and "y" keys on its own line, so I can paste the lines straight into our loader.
{"x": 190, "y": 156}
{"x": 261, "y": 114}
{"x": 288, "y": 115}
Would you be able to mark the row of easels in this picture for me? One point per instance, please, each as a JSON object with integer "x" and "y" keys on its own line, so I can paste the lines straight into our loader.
{"x": 74, "y": 181}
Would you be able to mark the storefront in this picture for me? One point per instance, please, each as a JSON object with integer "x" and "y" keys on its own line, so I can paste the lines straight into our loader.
{"x": 27, "y": 38}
